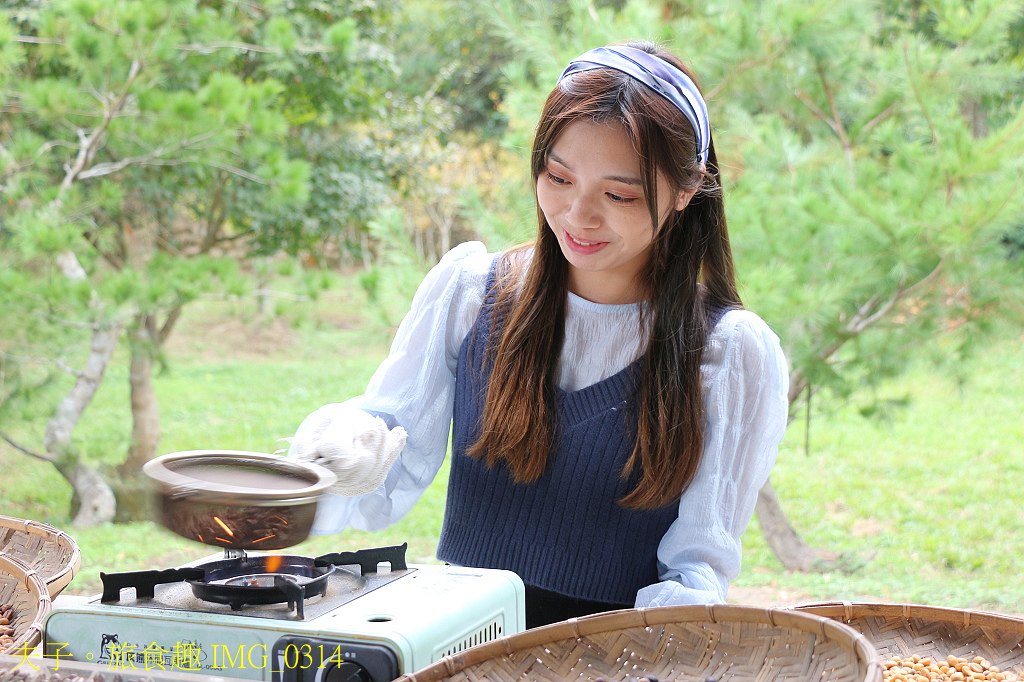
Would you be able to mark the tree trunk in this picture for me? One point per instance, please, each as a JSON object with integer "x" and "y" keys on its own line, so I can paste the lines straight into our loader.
{"x": 92, "y": 496}
{"x": 93, "y": 501}
{"x": 134, "y": 501}
{"x": 785, "y": 543}
{"x": 145, "y": 410}
{"x": 975, "y": 113}
{"x": 263, "y": 301}
{"x": 788, "y": 547}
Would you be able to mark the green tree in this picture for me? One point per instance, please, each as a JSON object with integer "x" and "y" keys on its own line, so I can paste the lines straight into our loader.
{"x": 870, "y": 169}
{"x": 459, "y": 62}
{"x": 130, "y": 132}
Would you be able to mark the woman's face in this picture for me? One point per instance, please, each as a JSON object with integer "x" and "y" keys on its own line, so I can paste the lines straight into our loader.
{"x": 593, "y": 200}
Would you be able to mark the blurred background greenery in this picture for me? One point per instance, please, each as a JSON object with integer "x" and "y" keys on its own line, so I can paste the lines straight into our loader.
{"x": 213, "y": 216}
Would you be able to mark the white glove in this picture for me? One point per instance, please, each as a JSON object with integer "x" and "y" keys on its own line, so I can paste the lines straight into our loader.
{"x": 358, "y": 447}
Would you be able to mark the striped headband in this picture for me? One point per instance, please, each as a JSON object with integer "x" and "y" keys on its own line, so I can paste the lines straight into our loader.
{"x": 660, "y": 76}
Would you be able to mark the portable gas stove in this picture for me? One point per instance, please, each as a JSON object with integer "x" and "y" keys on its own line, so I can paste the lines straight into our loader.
{"x": 336, "y": 618}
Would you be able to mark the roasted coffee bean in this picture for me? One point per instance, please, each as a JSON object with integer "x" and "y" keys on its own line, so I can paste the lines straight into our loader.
{"x": 252, "y": 527}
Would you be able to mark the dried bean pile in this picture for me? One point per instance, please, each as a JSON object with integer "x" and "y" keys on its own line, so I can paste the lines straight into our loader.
{"x": 6, "y": 629}
{"x": 953, "y": 669}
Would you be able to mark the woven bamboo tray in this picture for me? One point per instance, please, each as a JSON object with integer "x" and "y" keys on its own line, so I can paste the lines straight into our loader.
{"x": 51, "y": 553}
{"x": 21, "y": 587}
{"x": 728, "y": 643}
{"x": 906, "y": 629}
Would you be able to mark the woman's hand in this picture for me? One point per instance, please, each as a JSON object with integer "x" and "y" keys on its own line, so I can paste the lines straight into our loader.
{"x": 358, "y": 447}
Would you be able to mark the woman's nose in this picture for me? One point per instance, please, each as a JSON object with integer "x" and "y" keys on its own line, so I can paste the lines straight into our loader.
{"x": 581, "y": 212}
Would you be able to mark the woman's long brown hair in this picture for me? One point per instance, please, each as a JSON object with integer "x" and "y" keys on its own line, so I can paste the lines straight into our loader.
{"x": 689, "y": 275}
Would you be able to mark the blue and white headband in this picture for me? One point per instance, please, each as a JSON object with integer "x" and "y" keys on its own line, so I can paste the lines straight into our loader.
{"x": 658, "y": 75}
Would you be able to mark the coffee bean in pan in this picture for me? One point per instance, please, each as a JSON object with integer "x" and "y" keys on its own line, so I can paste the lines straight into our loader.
{"x": 232, "y": 526}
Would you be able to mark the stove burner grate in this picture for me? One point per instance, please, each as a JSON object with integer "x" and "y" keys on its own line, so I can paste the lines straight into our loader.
{"x": 257, "y": 580}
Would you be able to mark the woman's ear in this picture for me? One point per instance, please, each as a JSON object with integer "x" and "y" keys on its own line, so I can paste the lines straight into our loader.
{"x": 683, "y": 199}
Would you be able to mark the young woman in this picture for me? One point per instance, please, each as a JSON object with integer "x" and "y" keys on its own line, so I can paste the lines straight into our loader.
{"x": 613, "y": 408}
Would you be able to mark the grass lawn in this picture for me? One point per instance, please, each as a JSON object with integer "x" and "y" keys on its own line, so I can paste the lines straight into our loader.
{"x": 924, "y": 506}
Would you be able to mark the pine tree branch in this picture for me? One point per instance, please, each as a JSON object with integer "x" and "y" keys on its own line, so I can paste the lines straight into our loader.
{"x": 867, "y": 315}
{"x": 809, "y": 103}
{"x": 833, "y": 121}
{"x": 114, "y": 260}
{"x": 37, "y": 41}
{"x": 917, "y": 94}
{"x": 858, "y": 208}
{"x": 886, "y": 113}
{"x": 115, "y": 166}
{"x": 215, "y": 215}
{"x": 151, "y": 159}
{"x": 90, "y": 143}
{"x": 168, "y": 326}
{"x": 746, "y": 66}
{"x": 53, "y": 318}
{"x": 31, "y": 453}
{"x": 531, "y": 44}
{"x": 50, "y": 144}
{"x": 167, "y": 246}
{"x": 14, "y": 168}
{"x": 280, "y": 294}
{"x": 840, "y": 129}
{"x": 24, "y": 359}
{"x": 207, "y": 48}
{"x": 239, "y": 172}
{"x": 235, "y": 237}
{"x": 57, "y": 437}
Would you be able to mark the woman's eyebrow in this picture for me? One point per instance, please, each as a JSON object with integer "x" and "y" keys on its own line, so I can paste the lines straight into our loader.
{"x": 624, "y": 179}
{"x": 558, "y": 159}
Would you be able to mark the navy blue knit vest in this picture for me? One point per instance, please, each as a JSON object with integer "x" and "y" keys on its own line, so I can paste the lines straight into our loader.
{"x": 565, "y": 532}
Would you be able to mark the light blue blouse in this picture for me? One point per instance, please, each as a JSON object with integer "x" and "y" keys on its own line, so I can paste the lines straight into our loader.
{"x": 745, "y": 379}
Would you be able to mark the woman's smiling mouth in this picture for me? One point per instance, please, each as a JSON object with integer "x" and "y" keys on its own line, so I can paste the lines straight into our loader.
{"x": 580, "y": 245}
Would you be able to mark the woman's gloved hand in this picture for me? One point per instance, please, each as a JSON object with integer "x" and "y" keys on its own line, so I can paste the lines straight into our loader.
{"x": 358, "y": 447}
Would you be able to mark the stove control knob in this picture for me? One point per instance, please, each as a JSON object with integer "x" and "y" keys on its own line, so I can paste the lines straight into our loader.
{"x": 346, "y": 671}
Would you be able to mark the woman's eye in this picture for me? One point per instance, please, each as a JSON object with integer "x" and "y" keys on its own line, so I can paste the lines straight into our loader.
{"x": 621, "y": 200}
{"x": 557, "y": 180}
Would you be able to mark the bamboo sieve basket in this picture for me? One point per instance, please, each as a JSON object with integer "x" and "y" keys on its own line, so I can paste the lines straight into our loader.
{"x": 21, "y": 587}
{"x": 906, "y": 629}
{"x": 51, "y": 553}
{"x": 728, "y": 643}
